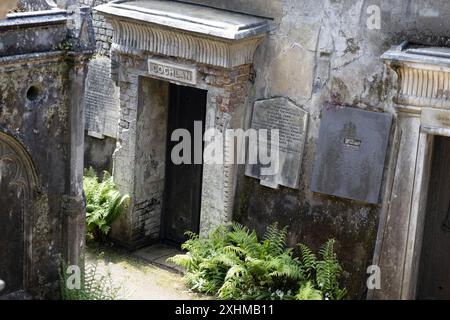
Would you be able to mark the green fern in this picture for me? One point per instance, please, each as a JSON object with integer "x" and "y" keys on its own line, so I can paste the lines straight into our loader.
{"x": 233, "y": 264}
{"x": 328, "y": 271}
{"x": 104, "y": 203}
{"x": 308, "y": 259}
{"x": 275, "y": 239}
{"x": 308, "y": 292}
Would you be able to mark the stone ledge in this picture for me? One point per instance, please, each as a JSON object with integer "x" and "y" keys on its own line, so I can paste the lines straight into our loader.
{"x": 189, "y": 17}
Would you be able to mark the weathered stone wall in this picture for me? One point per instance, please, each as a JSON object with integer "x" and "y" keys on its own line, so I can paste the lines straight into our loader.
{"x": 323, "y": 51}
{"x": 41, "y": 114}
{"x": 102, "y": 101}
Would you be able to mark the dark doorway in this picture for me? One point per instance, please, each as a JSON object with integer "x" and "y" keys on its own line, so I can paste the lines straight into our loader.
{"x": 183, "y": 182}
{"x": 434, "y": 276}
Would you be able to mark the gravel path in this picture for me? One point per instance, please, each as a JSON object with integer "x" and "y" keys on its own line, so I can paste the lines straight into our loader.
{"x": 139, "y": 279}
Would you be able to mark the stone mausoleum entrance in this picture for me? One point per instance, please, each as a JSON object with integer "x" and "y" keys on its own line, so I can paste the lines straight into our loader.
{"x": 183, "y": 186}
{"x": 175, "y": 63}
{"x": 413, "y": 243}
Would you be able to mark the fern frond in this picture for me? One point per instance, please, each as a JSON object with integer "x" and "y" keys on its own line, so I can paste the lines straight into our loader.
{"x": 276, "y": 239}
{"x": 308, "y": 260}
{"x": 308, "y": 292}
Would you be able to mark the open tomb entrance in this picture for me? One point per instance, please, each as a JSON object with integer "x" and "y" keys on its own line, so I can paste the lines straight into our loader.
{"x": 434, "y": 272}
{"x": 413, "y": 243}
{"x": 206, "y": 54}
{"x": 183, "y": 181}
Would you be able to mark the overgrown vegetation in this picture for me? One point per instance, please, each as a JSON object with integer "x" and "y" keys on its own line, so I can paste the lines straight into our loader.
{"x": 104, "y": 204}
{"x": 233, "y": 264}
{"x": 93, "y": 286}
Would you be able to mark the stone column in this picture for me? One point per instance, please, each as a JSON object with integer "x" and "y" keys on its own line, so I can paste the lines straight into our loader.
{"x": 125, "y": 154}
{"x": 402, "y": 225}
{"x": 74, "y": 219}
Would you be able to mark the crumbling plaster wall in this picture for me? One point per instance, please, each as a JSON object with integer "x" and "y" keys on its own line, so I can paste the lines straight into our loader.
{"x": 323, "y": 51}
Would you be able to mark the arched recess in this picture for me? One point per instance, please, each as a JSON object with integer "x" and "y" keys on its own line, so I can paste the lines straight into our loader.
{"x": 18, "y": 181}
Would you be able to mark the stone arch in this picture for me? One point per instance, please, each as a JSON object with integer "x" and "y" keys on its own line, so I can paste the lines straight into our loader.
{"x": 18, "y": 181}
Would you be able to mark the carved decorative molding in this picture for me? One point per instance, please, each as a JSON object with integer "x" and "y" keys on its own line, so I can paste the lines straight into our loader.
{"x": 218, "y": 43}
{"x": 130, "y": 36}
{"x": 423, "y": 75}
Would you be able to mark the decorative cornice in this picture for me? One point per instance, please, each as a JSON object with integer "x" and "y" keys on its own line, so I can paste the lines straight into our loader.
{"x": 423, "y": 76}
{"x": 423, "y": 87}
{"x": 185, "y": 37}
{"x": 131, "y": 36}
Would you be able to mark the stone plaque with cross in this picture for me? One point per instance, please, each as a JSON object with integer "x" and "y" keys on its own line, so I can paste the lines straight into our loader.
{"x": 291, "y": 121}
{"x": 350, "y": 153}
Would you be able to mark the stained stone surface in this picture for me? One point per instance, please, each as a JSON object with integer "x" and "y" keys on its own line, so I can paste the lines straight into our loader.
{"x": 351, "y": 152}
{"x": 291, "y": 121}
{"x": 42, "y": 215}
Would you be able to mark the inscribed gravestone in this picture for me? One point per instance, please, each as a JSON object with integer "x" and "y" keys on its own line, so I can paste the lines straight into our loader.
{"x": 291, "y": 121}
{"x": 350, "y": 154}
{"x": 102, "y": 100}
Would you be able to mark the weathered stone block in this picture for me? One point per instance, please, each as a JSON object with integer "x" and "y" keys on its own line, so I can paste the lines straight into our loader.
{"x": 350, "y": 153}
{"x": 291, "y": 121}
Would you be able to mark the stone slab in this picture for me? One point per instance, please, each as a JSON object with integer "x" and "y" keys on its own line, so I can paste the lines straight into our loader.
{"x": 158, "y": 254}
{"x": 102, "y": 100}
{"x": 351, "y": 152}
{"x": 292, "y": 122}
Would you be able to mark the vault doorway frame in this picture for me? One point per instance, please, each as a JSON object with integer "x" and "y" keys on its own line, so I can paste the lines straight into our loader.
{"x": 169, "y": 42}
{"x": 422, "y": 109}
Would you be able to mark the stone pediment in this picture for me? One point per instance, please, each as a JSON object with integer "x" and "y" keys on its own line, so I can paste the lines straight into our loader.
{"x": 423, "y": 75}
{"x": 170, "y": 28}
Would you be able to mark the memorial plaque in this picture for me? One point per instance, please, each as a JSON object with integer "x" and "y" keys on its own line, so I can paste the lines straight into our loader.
{"x": 171, "y": 71}
{"x": 102, "y": 100}
{"x": 291, "y": 122}
{"x": 351, "y": 152}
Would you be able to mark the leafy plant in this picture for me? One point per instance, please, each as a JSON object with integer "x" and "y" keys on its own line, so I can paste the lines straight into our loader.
{"x": 93, "y": 286}
{"x": 233, "y": 264}
{"x": 104, "y": 203}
